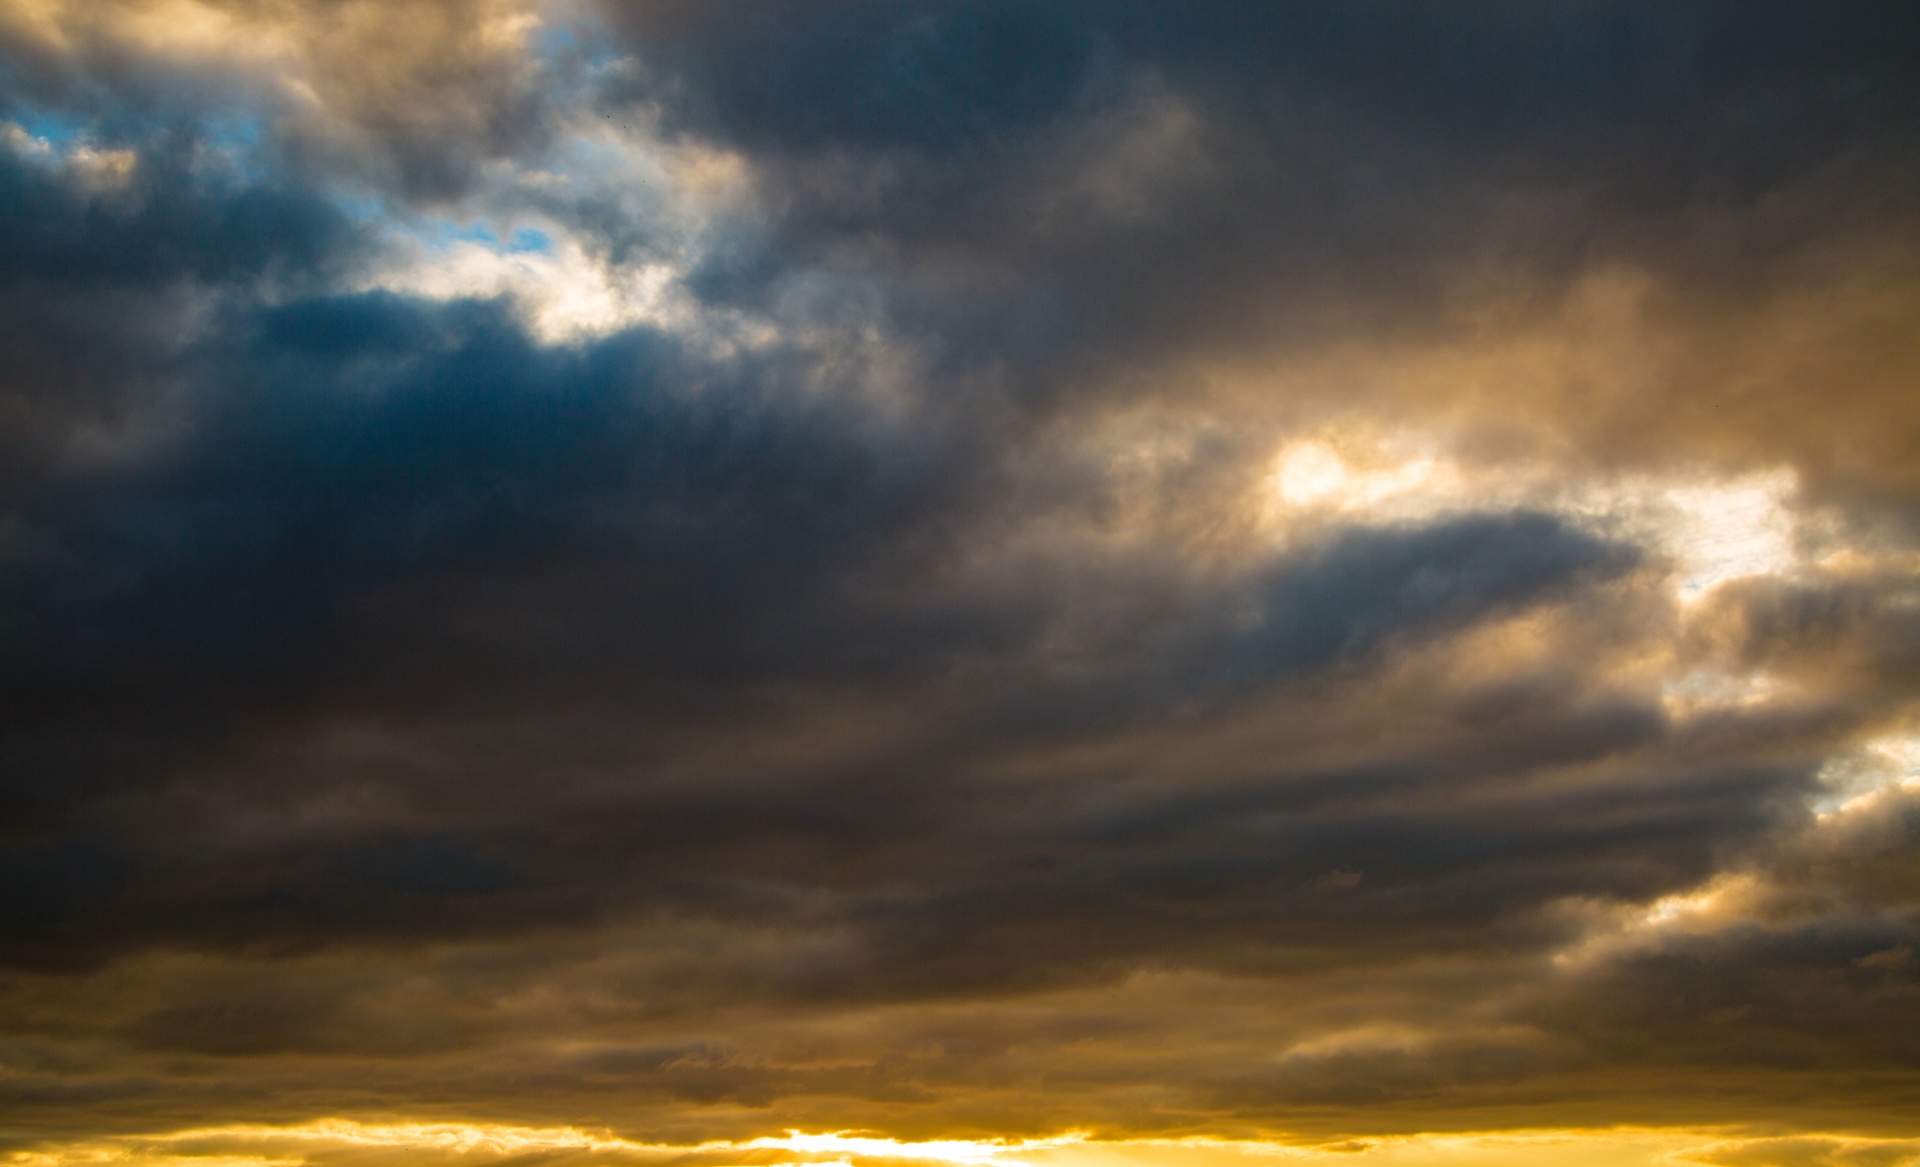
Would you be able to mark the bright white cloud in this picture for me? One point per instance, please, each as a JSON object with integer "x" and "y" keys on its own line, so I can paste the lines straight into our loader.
{"x": 1713, "y": 530}
{"x": 1858, "y": 779}
{"x": 1729, "y": 529}
{"x": 564, "y": 292}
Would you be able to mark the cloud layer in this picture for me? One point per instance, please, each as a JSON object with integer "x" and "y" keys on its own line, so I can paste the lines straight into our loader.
{"x": 958, "y": 571}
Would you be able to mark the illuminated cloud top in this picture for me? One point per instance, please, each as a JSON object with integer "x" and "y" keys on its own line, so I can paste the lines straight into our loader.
{"x": 1022, "y": 584}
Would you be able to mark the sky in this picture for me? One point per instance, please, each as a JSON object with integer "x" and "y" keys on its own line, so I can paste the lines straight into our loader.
{"x": 959, "y": 583}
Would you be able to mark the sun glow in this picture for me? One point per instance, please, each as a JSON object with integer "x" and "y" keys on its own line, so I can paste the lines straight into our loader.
{"x": 1316, "y": 474}
{"x": 341, "y": 1141}
{"x": 938, "y": 1150}
{"x": 240, "y": 1145}
{"x": 1726, "y": 530}
{"x": 1708, "y": 530}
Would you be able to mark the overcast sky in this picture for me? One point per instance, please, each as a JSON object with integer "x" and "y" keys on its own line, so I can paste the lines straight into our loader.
{"x": 1036, "y": 583}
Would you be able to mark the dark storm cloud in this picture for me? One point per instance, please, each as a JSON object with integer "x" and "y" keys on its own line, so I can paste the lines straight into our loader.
{"x": 863, "y": 723}
{"x": 1854, "y": 636}
{"x": 1240, "y": 185}
{"x": 1370, "y": 135}
{"x": 98, "y": 288}
{"x": 869, "y": 76}
{"x": 393, "y": 512}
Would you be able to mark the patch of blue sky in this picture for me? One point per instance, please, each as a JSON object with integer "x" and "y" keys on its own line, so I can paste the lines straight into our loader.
{"x": 238, "y": 140}
{"x": 442, "y": 233}
{"x": 241, "y": 140}
{"x": 361, "y": 208}
{"x": 57, "y": 128}
{"x": 235, "y": 132}
{"x": 530, "y": 239}
{"x": 554, "y": 42}
{"x": 579, "y": 42}
{"x": 446, "y": 231}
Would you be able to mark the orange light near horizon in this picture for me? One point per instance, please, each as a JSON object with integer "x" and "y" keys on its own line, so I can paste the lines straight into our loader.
{"x": 335, "y": 1142}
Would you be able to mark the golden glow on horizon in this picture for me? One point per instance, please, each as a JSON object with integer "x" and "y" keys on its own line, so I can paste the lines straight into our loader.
{"x": 484, "y": 1139}
{"x": 335, "y": 1140}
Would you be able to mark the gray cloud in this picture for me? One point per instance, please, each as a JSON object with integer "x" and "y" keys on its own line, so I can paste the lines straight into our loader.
{"x": 878, "y": 682}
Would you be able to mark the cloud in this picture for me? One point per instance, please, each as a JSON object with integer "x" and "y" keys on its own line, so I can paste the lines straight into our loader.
{"x": 413, "y": 93}
{"x": 955, "y": 571}
{"x": 1791, "y": 1152}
